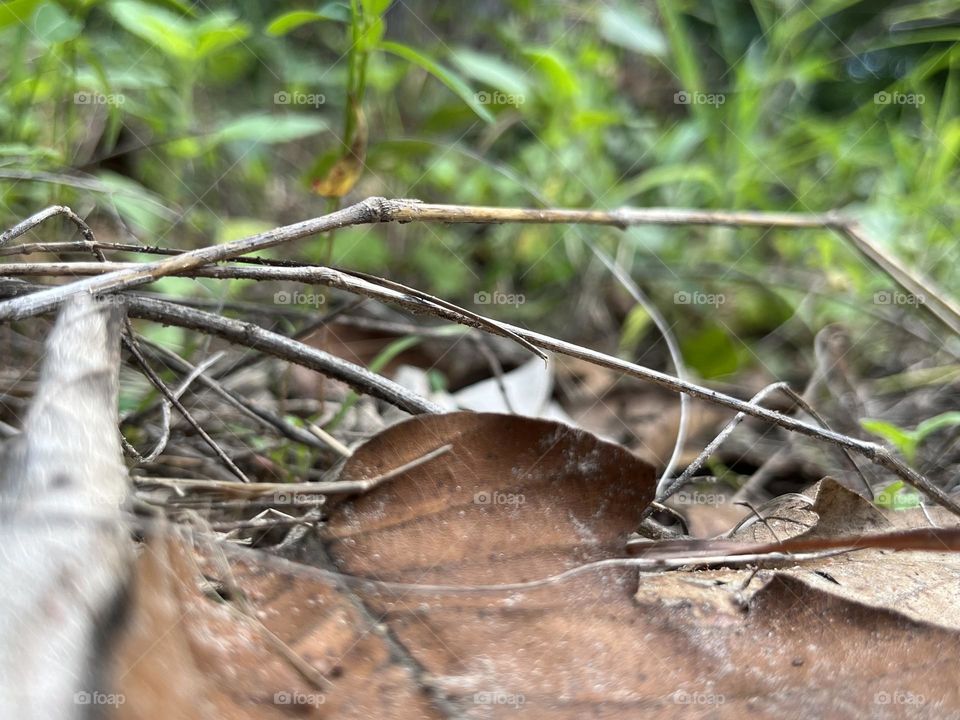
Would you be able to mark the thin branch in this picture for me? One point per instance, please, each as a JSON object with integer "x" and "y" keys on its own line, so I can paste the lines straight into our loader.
{"x": 728, "y": 429}
{"x": 378, "y": 209}
{"x": 673, "y": 347}
{"x": 258, "y": 489}
{"x": 295, "y": 273}
{"x": 250, "y": 335}
{"x": 244, "y": 333}
{"x": 194, "y": 373}
{"x": 33, "y": 221}
{"x": 162, "y": 311}
{"x": 927, "y": 295}
{"x": 49, "y": 298}
{"x": 375, "y": 210}
{"x": 133, "y": 347}
{"x": 265, "y": 417}
{"x": 330, "y": 441}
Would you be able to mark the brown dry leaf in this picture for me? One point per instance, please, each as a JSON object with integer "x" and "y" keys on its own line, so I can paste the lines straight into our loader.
{"x": 588, "y": 644}
{"x": 517, "y": 500}
{"x": 185, "y": 655}
{"x": 712, "y": 518}
{"x": 514, "y": 500}
{"x": 836, "y": 511}
{"x": 542, "y": 494}
{"x": 920, "y": 585}
{"x": 791, "y": 650}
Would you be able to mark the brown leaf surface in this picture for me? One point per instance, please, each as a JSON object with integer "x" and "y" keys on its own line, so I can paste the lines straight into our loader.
{"x": 920, "y": 585}
{"x": 185, "y": 655}
{"x": 584, "y": 645}
{"x": 540, "y": 494}
{"x": 791, "y": 650}
{"x": 517, "y": 500}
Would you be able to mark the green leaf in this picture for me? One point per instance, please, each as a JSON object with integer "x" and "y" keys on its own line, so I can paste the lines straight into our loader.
{"x": 138, "y": 78}
{"x": 52, "y": 24}
{"x": 270, "y": 128}
{"x": 354, "y": 248}
{"x": 214, "y": 37}
{"x": 555, "y": 71}
{"x": 927, "y": 427}
{"x": 24, "y": 151}
{"x": 895, "y": 496}
{"x": 686, "y": 64}
{"x": 447, "y": 77}
{"x": 632, "y": 30}
{"x": 17, "y": 12}
{"x": 376, "y": 7}
{"x": 289, "y": 21}
{"x": 634, "y": 326}
{"x": 157, "y": 26}
{"x": 669, "y": 175}
{"x": 908, "y": 441}
{"x": 177, "y": 36}
{"x": 371, "y": 35}
{"x": 492, "y": 71}
{"x": 903, "y": 440}
{"x": 135, "y": 204}
{"x": 177, "y": 6}
{"x": 235, "y": 228}
{"x": 711, "y": 352}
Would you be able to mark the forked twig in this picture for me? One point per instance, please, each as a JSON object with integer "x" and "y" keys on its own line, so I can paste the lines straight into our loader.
{"x": 728, "y": 429}
{"x": 36, "y": 219}
{"x": 174, "y": 400}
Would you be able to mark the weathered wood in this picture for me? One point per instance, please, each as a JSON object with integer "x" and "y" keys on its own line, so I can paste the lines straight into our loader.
{"x": 65, "y": 551}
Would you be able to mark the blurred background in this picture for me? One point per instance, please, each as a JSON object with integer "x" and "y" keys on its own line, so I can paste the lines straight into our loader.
{"x": 182, "y": 124}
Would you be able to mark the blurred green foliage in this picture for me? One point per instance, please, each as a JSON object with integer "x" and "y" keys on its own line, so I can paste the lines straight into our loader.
{"x": 178, "y": 123}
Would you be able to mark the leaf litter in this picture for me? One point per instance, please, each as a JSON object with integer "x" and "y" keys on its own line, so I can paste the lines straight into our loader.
{"x": 517, "y": 500}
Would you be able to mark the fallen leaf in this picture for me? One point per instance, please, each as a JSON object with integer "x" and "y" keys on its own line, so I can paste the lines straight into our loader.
{"x": 488, "y": 582}
{"x": 191, "y": 654}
